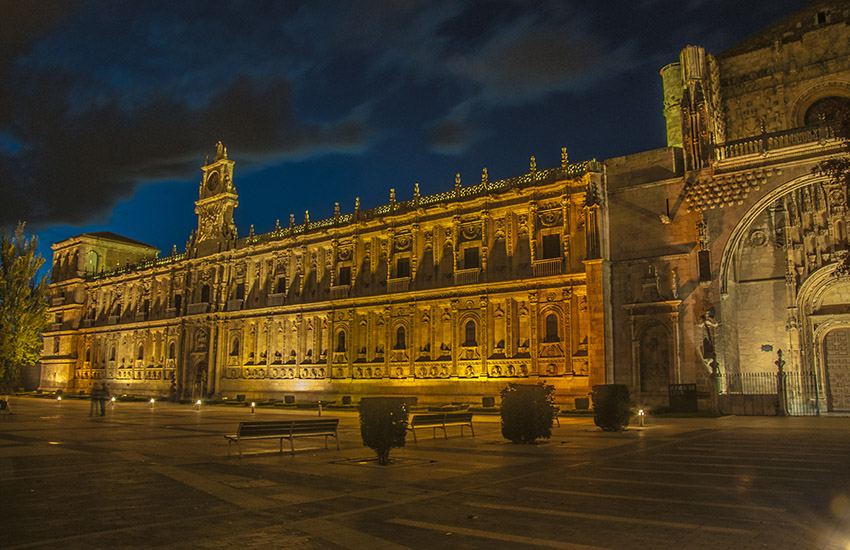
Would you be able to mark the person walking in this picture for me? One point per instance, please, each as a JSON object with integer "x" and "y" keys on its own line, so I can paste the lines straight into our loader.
{"x": 104, "y": 397}
{"x": 96, "y": 392}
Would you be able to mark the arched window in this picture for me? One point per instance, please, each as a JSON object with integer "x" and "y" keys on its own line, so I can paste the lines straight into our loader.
{"x": 340, "y": 341}
{"x": 826, "y": 109}
{"x": 469, "y": 329}
{"x": 399, "y": 339}
{"x": 551, "y": 328}
{"x": 171, "y": 350}
{"x": 141, "y": 351}
{"x": 112, "y": 353}
{"x": 234, "y": 347}
{"x": 205, "y": 293}
{"x": 88, "y": 355}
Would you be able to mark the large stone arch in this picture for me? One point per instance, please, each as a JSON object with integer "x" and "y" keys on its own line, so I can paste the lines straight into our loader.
{"x": 782, "y": 309}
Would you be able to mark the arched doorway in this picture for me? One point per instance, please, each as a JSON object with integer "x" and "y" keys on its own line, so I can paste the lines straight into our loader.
{"x": 836, "y": 358}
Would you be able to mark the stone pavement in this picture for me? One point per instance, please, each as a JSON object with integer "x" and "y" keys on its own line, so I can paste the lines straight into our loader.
{"x": 160, "y": 477}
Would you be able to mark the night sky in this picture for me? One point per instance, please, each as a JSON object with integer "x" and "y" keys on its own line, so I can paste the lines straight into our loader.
{"x": 108, "y": 109}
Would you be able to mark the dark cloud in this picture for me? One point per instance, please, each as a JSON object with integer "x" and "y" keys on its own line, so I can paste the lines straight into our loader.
{"x": 75, "y": 168}
{"x": 450, "y": 137}
{"x": 97, "y": 98}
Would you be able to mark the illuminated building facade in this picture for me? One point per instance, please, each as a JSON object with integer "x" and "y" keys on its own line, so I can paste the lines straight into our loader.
{"x": 445, "y": 296}
{"x": 651, "y": 269}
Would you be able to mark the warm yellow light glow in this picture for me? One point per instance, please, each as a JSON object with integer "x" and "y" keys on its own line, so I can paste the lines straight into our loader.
{"x": 59, "y": 398}
{"x": 198, "y": 402}
{"x": 641, "y": 413}
{"x": 152, "y": 400}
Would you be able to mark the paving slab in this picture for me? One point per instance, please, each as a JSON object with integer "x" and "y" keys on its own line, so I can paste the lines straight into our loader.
{"x": 144, "y": 477}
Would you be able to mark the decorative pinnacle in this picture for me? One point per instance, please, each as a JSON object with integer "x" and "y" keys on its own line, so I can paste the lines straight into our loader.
{"x": 392, "y": 195}
{"x": 251, "y": 233}
{"x": 336, "y": 209}
{"x": 277, "y": 224}
{"x": 292, "y": 220}
{"x": 357, "y": 204}
{"x": 457, "y": 180}
{"x": 533, "y": 164}
{"x": 416, "y": 189}
{"x": 564, "y": 159}
{"x": 306, "y": 216}
{"x": 484, "y": 175}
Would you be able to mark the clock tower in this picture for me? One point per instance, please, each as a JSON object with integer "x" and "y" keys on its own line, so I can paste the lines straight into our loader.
{"x": 216, "y": 200}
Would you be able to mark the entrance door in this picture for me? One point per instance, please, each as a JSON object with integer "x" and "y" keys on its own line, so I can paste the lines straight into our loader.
{"x": 655, "y": 360}
{"x": 837, "y": 357}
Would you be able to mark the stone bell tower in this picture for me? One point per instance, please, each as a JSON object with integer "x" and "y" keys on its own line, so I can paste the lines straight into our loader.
{"x": 216, "y": 200}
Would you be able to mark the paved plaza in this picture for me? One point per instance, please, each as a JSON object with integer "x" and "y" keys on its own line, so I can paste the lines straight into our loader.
{"x": 160, "y": 477}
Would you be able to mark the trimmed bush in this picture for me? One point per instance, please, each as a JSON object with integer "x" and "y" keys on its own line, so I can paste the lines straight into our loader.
{"x": 383, "y": 424}
{"x": 527, "y": 412}
{"x": 611, "y": 406}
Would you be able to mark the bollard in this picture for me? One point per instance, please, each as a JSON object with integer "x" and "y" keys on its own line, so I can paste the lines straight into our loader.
{"x": 320, "y": 408}
{"x": 252, "y": 407}
{"x": 152, "y": 402}
{"x": 198, "y": 405}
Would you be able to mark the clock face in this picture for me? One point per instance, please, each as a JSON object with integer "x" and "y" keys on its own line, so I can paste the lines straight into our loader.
{"x": 212, "y": 181}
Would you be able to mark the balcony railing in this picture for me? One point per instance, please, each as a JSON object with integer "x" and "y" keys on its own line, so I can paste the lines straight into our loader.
{"x": 466, "y": 276}
{"x": 551, "y": 266}
{"x": 401, "y": 284}
{"x": 339, "y": 292}
{"x": 194, "y": 309}
{"x": 771, "y": 141}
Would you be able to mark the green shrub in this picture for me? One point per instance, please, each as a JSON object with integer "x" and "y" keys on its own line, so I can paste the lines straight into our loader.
{"x": 527, "y": 412}
{"x": 383, "y": 424}
{"x": 611, "y": 407}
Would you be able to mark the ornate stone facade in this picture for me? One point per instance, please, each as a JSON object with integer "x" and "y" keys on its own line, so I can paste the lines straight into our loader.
{"x": 651, "y": 269}
{"x": 445, "y": 297}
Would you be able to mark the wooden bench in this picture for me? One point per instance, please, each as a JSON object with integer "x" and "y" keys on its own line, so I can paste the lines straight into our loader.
{"x": 284, "y": 429}
{"x": 441, "y": 420}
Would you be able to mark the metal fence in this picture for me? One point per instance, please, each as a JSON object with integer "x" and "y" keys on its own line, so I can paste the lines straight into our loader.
{"x": 796, "y": 393}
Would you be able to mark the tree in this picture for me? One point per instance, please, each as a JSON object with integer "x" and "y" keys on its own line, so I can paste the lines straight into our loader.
{"x": 383, "y": 425}
{"x": 527, "y": 412}
{"x": 23, "y": 304}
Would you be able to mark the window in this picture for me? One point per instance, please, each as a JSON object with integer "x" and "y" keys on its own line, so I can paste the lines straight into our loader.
{"x": 340, "y": 341}
{"x": 470, "y": 258}
{"x": 821, "y": 17}
{"x": 551, "y": 329}
{"x": 146, "y": 306}
{"x": 88, "y": 355}
{"x": 171, "y": 350}
{"x": 141, "y": 351}
{"x": 112, "y": 353}
{"x": 205, "y": 293}
{"x": 469, "y": 329}
{"x": 402, "y": 267}
{"x": 240, "y": 291}
{"x": 178, "y": 302}
{"x": 344, "y": 276}
{"x": 56, "y": 345}
{"x": 234, "y": 347}
{"x": 92, "y": 262}
{"x": 281, "y": 285}
{"x": 551, "y": 246}
{"x": 399, "y": 339}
